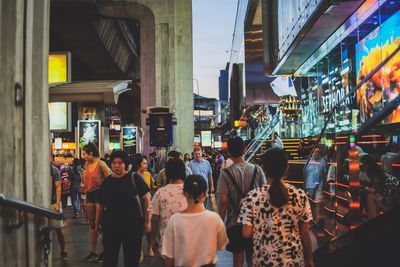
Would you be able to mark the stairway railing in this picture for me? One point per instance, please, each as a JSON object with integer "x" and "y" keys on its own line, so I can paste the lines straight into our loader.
{"x": 261, "y": 137}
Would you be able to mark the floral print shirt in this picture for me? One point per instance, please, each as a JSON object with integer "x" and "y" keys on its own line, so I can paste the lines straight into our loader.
{"x": 167, "y": 201}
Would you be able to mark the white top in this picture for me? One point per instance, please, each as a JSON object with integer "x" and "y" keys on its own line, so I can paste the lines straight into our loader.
{"x": 193, "y": 239}
{"x": 167, "y": 201}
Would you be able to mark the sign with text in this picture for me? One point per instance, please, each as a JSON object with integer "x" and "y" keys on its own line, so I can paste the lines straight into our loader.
{"x": 59, "y": 67}
{"x": 206, "y": 138}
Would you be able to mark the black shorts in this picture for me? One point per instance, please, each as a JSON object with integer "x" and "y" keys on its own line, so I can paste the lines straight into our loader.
{"x": 237, "y": 243}
{"x": 92, "y": 196}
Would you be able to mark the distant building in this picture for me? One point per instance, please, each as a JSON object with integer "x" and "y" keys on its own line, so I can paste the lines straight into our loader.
{"x": 223, "y": 85}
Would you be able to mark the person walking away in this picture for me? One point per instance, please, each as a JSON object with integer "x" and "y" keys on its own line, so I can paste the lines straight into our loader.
{"x": 140, "y": 167}
{"x": 122, "y": 198}
{"x": 162, "y": 177}
{"x": 169, "y": 199}
{"x": 93, "y": 176}
{"x": 283, "y": 236}
{"x": 74, "y": 175}
{"x": 233, "y": 185}
{"x": 57, "y": 225}
{"x": 201, "y": 166}
{"x": 193, "y": 236}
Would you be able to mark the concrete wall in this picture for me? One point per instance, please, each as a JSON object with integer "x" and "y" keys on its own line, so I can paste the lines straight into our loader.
{"x": 24, "y": 136}
{"x": 166, "y": 59}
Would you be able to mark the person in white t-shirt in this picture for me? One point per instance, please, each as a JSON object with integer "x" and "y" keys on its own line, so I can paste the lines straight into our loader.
{"x": 193, "y": 236}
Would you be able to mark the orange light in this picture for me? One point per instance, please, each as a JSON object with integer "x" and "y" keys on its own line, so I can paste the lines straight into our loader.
{"x": 354, "y": 184}
{"x": 70, "y": 146}
{"x": 240, "y": 123}
{"x": 354, "y": 205}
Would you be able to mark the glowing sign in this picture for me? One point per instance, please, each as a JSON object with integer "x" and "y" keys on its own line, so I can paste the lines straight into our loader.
{"x": 58, "y": 112}
{"x": 206, "y": 138}
{"x": 58, "y": 68}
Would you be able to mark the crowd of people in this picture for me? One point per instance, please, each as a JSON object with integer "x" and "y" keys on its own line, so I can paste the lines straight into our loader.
{"x": 259, "y": 218}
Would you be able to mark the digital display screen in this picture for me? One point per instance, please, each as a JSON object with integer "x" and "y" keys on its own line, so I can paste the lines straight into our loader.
{"x": 58, "y": 113}
{"x": 89, "y": 131}
{"x": 384, "y": 86}
{"x": 129, "y": 136}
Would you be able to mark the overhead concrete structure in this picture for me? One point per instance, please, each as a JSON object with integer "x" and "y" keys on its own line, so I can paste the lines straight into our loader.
{"x": 165, "y": 80}
{"x": 163, "y": 52}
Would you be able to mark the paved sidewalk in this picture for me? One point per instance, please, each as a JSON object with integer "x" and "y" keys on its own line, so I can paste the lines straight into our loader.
{"x": 77, "y": 244}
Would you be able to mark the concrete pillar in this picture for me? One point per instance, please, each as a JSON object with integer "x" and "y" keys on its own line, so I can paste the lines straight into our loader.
{"x": 166, "y": 60}
{"x": 24, "y": 138}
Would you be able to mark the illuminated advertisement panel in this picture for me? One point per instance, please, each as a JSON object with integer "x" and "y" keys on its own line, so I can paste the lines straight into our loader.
{"x": 59, "y": 68}
{"x": 58, "y": 113}
{"x": 89, "y": 131}
{"x": 129, "y": 137}
{"x": 384, "y": 86}
{"x": 206, "y": 138}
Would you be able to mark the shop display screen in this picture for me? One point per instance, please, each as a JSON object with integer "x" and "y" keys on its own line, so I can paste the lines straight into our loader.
{"x": 129, "y": 136}
{"x": 384, "y": 86}
{"x": 89, "y": 131}
{"x": 58, "y": 112}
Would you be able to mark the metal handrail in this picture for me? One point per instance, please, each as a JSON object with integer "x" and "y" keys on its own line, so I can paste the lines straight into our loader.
{"x": 29, "y": 207}
{"x": 260, "y": 135}
{"x": 252, "y": 150}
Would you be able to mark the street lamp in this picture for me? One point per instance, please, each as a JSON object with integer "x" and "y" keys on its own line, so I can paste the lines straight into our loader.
{"x": 198, "y": 93}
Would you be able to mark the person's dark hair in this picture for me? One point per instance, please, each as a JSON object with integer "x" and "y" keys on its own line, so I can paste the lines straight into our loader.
{"x": 187, "y": 156}
{"x": 173, "y": 154}
{"x": 75, "y": 163}
{"x": 137, "y": 160}
{"x": 120, "y": 154}
{"x": 175, "y": 169}
{"x": 195, "y": 185}
{"x": 275, "y": 162}
{"x": 91, "y": 148}
{"x": 236, "y": 146}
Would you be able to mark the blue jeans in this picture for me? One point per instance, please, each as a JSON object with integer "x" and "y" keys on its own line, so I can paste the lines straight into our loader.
{"x": 75, "y": 200}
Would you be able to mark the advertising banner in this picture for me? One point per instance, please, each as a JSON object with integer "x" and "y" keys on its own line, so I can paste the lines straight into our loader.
{"x": 129, "y": 137}
{"x": 89, "y": 131}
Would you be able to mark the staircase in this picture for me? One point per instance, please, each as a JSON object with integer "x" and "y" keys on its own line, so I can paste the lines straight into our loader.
{"x": 290, "y": 145}
{"x": 258, "y": 142}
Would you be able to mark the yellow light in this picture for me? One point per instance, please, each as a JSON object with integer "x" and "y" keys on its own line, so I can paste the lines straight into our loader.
{"x": 58, "y": 68}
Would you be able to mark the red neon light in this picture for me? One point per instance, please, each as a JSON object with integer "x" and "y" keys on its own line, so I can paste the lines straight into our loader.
{"x": 329, "y": 233}
{"x": 343, "y": 185}
{"x": 354, "y": 204}
{"x": 373, "y": 142}
{"x": 355, "y": 184}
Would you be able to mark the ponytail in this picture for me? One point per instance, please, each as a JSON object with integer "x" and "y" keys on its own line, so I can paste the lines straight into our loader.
{"x": 275, "y": 163}
{"x": 195, "y": 185}
{"x": 278, "y": 193}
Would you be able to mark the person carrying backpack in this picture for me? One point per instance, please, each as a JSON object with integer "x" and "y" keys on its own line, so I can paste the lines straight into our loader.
{"x": 233, "y": 185}
{"x": 74, "y": 175}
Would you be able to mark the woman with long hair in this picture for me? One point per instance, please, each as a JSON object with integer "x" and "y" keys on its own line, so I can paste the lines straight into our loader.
{"x": 277, "y": 217}
{"x": 193, "y": 236}
{"x": 95, "y": 172}
{"x": 139, "y": 169}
